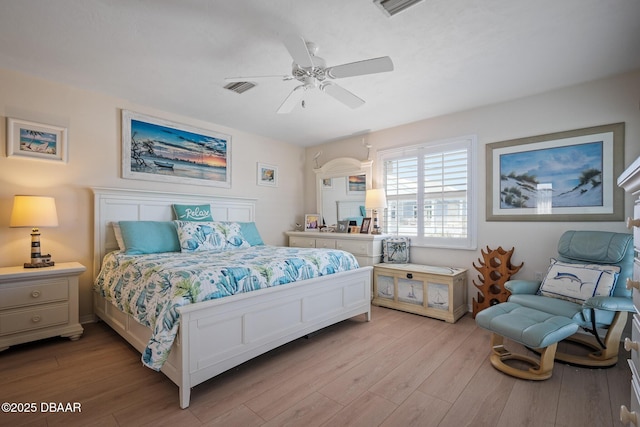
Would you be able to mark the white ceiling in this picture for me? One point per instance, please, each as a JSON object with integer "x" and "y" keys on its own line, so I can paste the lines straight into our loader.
{"x": 449, "y": 55}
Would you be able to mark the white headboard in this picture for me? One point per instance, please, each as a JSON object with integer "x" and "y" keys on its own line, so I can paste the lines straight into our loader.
{"x": 114, "y": 204}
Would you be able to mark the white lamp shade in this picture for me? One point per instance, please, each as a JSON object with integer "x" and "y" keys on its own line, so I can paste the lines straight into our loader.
{"x": 375, "y": 199}
{"x": 33, "y": 211}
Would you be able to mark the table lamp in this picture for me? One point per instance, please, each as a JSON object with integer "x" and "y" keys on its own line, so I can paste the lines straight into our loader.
{"x": 375, "y": 199}
{"x": 35, "y": 211}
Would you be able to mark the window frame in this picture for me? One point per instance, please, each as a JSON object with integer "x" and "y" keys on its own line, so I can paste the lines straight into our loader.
{"x": 469, "y": 143}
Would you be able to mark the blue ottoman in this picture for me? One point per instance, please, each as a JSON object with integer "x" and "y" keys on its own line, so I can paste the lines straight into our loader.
{"x": 529, "y": 327}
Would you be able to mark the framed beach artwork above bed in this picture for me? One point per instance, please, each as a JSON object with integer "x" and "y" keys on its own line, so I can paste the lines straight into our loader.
{"x": 563, "y": 176}
{"x": 155, "y": 149}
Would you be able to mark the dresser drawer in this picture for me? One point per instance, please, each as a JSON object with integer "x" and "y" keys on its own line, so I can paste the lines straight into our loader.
{"x": 33, "y": 318}
{"x": 41, "y": 292}
{"x": 326, "y": 243}
{"x": 355, "y": 247}
{"x": 302, "y": 242}
{"x": 635, "y": 337}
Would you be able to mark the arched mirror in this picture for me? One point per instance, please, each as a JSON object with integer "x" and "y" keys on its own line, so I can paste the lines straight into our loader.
{"x": 340, "y": 189}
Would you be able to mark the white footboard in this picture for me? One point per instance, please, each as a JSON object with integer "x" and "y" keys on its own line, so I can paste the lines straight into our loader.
{"x": 218, "y": 335}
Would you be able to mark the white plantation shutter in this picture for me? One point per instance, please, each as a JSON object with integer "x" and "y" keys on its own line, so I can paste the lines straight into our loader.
{"x": 430, "y": 195}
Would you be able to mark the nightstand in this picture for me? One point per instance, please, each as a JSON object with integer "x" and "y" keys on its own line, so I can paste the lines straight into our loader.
{"x": 37, "y": 303}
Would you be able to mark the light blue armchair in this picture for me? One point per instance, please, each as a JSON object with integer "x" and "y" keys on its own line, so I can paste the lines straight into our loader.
{"x": 598, "y": 315}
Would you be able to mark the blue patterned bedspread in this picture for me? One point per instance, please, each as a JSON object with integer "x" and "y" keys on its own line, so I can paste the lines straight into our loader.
{"x": 152, "y": 287}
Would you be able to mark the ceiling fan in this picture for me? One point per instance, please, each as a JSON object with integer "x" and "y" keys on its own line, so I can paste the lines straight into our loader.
{"x": 311, "y": 71}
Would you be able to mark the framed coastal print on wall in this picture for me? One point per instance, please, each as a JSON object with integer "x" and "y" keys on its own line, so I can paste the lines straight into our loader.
{"x": 563, "y": 176}
{"x": 267, "y": 175}
{"x": 36, "y": 141}
{"x": 154, "y": 149}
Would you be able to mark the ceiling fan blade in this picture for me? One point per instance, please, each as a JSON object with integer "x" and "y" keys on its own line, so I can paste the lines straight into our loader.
{"x": 297, "y": 48}
{"x": 292, "y": 100}
{"x": 257, "y": 78}
{"x": 368, "y": 66}
{"x": 341, "y": 94}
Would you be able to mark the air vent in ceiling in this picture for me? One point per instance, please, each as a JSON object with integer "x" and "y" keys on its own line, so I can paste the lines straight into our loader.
{"x": 393, "y": 7}
{"x": 239, "y": 87}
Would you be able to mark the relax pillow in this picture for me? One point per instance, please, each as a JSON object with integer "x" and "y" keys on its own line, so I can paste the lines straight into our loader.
{"x": 209, "y": 236}
{"x": 193, "y": 212}
{"x": 149, "y": 237}
{"x": 578, "y": 282}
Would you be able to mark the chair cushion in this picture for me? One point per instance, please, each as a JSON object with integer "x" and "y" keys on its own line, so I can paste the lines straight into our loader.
{"x": 578, "y": 282}
{"x": 557, "y": 307}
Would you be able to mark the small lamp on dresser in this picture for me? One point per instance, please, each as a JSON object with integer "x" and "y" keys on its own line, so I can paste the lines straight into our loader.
{"x": 375, "y": 199}
{"x": 35, "y": 212}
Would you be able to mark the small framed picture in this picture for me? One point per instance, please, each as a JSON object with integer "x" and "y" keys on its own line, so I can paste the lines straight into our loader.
{"x": 36, "y": 141}
{"x": 343, "y": 227}
{"x": 327, "y": 183}
{"x": 267, "y": 175}
{"x": 366, "y": 224}
{"x": 312, "y": 222}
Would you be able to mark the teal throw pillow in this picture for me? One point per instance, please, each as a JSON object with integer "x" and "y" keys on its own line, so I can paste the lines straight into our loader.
{"x": 149, "y": 237}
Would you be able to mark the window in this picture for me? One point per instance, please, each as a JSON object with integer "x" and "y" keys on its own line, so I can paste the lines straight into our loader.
{"x": 430, "y": 193}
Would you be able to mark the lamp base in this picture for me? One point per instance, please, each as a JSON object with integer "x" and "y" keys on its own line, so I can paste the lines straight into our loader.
{"x": 39, "y": 264}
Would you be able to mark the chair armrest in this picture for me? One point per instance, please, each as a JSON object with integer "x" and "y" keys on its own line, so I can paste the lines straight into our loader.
{"x": 610, "y": 304}
{"x": 524, "y": 287}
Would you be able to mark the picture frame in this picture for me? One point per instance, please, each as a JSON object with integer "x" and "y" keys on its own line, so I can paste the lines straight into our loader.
{"x": 267, "y": 175}
{"x": 327, "y": 183}
{"x": 312, "y": 222}
{"x": 356, "y": 185}
{"x": 36, "y": 141}
{"x": 366, "y": 224}
{"x": 534, "y": 179}
{"x": 343, "y": 227}
{"x": 155, "y": 149}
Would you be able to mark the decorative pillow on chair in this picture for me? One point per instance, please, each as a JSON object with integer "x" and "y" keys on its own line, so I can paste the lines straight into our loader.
{"x": 210, "y": 236}
{"x": 578, "y": 282}
{"x": 193, "y": 212}
{"x": 395, "y": 250}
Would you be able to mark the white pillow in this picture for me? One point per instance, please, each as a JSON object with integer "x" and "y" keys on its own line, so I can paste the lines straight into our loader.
{"x": 118, "y": 233}
{"x": 578, "y": 282}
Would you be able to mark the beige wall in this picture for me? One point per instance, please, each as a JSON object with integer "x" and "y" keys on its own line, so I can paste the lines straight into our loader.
{"x": 93, "y": 122}
{"x": 601, "y": 102}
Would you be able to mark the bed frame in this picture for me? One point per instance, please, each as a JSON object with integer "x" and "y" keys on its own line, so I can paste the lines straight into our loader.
{"x": 217, "y": 335}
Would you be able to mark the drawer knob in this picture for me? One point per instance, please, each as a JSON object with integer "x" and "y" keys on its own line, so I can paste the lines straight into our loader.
{"x": 633, "y": 284}
{"x": 35, "y": 294}
{"x": 36, "y": 319}
{"x": 633, "y": 222}
{"x": 627, "y": 417}
{"x": 631, "y": 345}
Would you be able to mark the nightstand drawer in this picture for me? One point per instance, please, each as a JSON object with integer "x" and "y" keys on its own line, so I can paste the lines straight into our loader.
{"x": 33, "y": 318}
{"x": 42, "y": 292}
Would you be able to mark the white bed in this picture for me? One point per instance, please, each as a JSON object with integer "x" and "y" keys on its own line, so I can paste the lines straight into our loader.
{"x": 216, "y": 335}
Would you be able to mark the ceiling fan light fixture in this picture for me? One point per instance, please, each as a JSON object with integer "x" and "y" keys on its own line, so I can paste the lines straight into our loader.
{"x": 393, "y": 7}
{"x": 240, "y": 87}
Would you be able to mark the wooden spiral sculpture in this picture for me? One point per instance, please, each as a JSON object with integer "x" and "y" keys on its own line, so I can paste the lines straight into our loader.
{"x": 495, "y": 270}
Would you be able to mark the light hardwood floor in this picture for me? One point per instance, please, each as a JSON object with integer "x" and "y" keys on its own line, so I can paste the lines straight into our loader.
{"x": 399, "y": 369}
